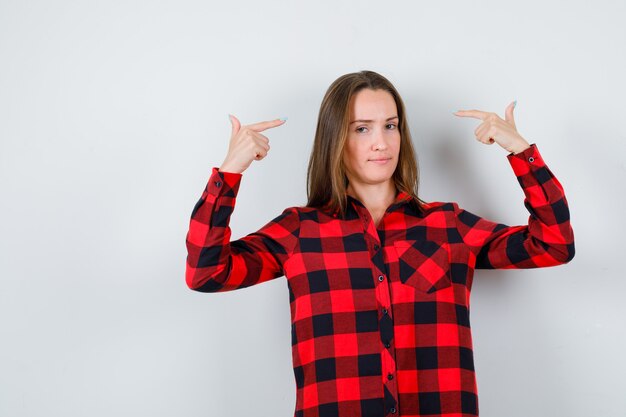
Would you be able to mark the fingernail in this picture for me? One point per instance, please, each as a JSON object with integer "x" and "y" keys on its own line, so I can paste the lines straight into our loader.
{"x": 514, "y": 103}
{"x": 283, "y": 118}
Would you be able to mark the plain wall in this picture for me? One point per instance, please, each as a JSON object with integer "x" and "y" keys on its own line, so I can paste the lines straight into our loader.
{"x": 113, "y": 113}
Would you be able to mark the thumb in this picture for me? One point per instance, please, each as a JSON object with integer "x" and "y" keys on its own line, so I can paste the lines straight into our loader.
{"x": 236, "y": 125}
{"x": 508, "y": 114}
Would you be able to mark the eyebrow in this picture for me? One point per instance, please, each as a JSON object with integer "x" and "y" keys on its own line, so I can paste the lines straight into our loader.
{"x": 369, "y": 121}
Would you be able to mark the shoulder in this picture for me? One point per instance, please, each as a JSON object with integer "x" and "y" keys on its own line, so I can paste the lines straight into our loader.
{"x": 437, "y": 206}
{"x": 305, "y": 212}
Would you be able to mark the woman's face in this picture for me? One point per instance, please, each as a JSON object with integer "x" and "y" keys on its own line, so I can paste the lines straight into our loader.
{"x": 373, "y": 135}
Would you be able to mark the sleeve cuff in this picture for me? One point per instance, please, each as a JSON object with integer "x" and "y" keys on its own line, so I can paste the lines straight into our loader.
{"x": 528, "y": 160}
{"x": 224, "y": 183}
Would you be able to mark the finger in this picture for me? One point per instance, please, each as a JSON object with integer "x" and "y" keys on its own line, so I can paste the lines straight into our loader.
{"x": 477, "y": 114}
{"x": 260, "y": 137}
{"x": 235, "y": 125}
{"x": 508, "y": 114}
{"x": 262, "y": 142}
{"x": 481, "y": 127}
{"x": 261, "y": 126}
{"x": 260, "y": 152}
{"x": 485, "y": 137}
{"x": 484, "y": 133}
{"x": 481, "y": 130}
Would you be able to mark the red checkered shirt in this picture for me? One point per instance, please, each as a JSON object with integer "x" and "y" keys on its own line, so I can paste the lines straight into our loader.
{"x": 380, "y": 317}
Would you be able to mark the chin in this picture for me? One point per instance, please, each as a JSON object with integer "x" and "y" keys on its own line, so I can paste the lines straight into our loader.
{"x": 378, "y": 178}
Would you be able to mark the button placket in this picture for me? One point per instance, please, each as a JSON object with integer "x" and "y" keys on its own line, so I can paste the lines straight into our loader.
{"x": 386, "y": 324}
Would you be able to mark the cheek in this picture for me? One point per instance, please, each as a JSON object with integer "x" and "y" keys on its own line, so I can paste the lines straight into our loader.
{"x": 397, "y": 144}
{"x": 347, "y": 156}
{"x": 361, "y": 156}
{"x": 353, "y": 154}
{"x": 348, "y": 160}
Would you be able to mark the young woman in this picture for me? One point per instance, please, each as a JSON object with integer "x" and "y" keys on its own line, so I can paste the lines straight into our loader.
{"x": 379, "y": 280}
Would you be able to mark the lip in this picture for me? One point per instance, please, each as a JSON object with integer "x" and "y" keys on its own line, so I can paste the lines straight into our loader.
{"x": 381, "y": 161}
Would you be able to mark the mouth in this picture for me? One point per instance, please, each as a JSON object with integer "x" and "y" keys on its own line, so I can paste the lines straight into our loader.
{"x": 380, "y": 161}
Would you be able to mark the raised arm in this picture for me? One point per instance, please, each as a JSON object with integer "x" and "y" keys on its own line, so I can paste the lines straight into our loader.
{"x": 547, "y": 239}
{"x": 214, "y": 263}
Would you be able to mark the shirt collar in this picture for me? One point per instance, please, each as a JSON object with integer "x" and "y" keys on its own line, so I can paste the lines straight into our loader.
{"x": 401, "y": 198}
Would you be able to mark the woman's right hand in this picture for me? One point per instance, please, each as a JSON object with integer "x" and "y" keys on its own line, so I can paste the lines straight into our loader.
{"x": 247, "y": 144}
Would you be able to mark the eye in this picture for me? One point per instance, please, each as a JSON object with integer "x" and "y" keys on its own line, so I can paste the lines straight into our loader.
{"x": 363, "y": 127}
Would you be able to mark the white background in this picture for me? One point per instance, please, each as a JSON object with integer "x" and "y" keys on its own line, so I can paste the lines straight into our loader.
{"x": 112, "y": 114}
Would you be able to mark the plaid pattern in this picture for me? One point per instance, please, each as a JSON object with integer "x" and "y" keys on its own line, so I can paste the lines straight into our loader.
{"x": 380, "y": 316}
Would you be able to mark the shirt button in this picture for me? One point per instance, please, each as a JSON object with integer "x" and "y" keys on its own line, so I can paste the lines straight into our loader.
{"x": 387, "y": 344}
{"x": 384, "y": 311}
{"x": 376, "y": 247}
{"x": 380, "y": 278}
{"x": 218, "y": 183}
{"x": 392, "y": 409}
{"x": 390, "y": 376}
{"x": 531, "y": 159}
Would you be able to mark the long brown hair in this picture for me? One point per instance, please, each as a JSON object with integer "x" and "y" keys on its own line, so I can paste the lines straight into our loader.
{"x": 326, "y": 174}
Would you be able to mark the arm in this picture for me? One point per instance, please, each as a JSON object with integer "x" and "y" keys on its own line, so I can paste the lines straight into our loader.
{"x": 214, "y": 263}
{"x": 547, "y": 240}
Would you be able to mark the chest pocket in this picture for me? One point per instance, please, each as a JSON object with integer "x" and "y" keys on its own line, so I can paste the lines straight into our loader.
{"x": 424, "y": 264}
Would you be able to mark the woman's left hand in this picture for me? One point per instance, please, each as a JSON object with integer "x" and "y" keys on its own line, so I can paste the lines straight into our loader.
{"x": 494, "y": 129}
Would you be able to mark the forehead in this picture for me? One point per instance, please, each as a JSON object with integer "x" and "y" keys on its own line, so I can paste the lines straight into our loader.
{"x": 372, "y": 104}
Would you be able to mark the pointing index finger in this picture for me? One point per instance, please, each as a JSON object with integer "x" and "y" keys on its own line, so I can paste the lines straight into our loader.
{"x": 478, "y": 114}
{"x": 261, "y": 126}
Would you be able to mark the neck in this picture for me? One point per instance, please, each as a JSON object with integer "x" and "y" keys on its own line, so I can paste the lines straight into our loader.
{"x": 374, "y": 197}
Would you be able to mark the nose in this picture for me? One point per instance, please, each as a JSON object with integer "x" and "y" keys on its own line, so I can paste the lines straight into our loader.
{"x": 379, "y": 141}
